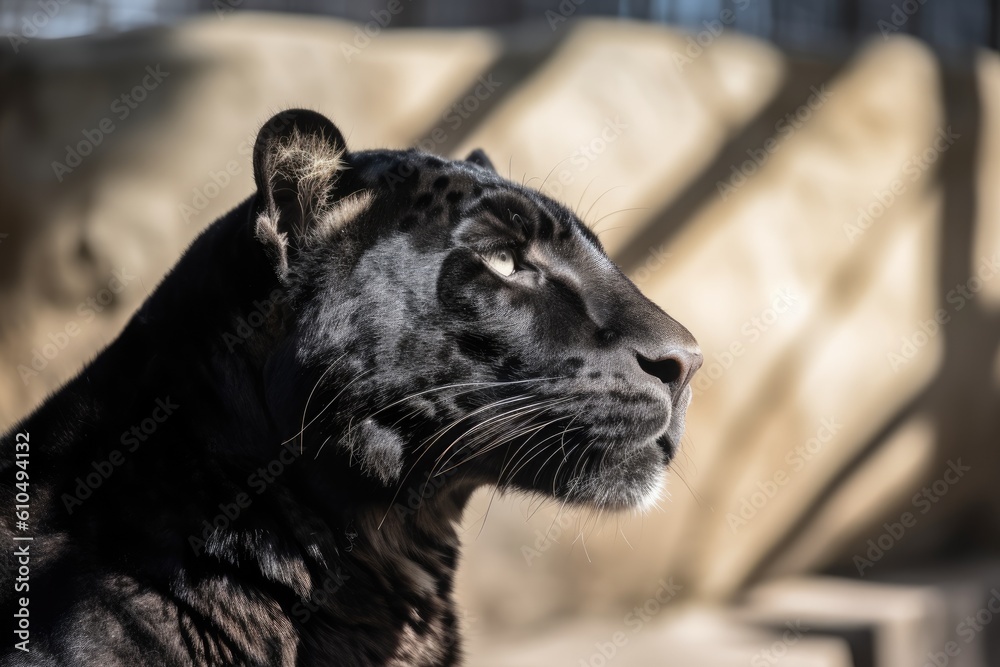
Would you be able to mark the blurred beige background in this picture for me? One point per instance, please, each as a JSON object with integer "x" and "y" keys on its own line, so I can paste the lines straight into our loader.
{"x": 828, "y": 228}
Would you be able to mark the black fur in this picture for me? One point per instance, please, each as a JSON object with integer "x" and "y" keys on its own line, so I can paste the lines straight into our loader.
{"x": 268, "y": 464}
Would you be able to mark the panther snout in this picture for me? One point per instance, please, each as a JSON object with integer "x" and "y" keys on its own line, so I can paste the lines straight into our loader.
{"x": 675, "y": 368}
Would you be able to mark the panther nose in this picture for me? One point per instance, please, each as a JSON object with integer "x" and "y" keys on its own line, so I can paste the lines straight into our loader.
{"x": 675, "y": 368}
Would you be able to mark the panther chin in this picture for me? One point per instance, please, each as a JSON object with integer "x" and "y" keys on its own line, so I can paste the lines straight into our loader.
{"x": 627, "y": 478}
{"x": 625, "y": 481}
{"x": 632, "y": 476}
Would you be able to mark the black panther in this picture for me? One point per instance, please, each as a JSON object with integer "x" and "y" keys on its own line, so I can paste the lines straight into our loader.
{"x": 268, "y": 465}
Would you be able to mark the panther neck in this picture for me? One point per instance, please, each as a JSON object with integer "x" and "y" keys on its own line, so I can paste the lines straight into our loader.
{"x": 380, "y": 576}
{"x": 307, "y": 577}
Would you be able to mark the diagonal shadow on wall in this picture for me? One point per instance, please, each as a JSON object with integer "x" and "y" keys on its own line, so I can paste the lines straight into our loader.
{"x": 961, "y": 400}
{"x": 795, "y": 89}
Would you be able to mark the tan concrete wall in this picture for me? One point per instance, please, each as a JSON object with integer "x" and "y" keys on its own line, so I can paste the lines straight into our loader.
{"x": 803, "y": 420}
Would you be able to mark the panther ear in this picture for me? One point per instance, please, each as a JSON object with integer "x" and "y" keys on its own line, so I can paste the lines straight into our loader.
{"x": 298, "y": 158}
{"x": 478, "y": 157}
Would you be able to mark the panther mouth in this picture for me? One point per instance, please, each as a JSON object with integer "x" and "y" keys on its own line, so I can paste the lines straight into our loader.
{"x": 630, "y": 474}
{"x": 620, "y": 479}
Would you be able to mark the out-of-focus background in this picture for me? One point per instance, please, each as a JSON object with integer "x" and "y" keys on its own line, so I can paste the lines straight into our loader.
{"x": 811, "y": 186}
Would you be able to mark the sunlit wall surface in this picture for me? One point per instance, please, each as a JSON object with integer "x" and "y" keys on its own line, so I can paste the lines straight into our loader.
{"x": 811, "y": 187}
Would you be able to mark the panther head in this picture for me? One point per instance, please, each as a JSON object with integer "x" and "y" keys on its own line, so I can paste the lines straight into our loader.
{"x": 451, "y": 325}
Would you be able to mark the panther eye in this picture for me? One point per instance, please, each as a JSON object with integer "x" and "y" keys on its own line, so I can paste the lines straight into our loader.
{"x": 501, "y": 261}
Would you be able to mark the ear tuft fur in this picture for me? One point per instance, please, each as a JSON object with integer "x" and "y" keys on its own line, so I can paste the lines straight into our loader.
{"x": 298, "y": 159}
{"x": 301, "y": 171}
{"x": 275, "y": 242}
